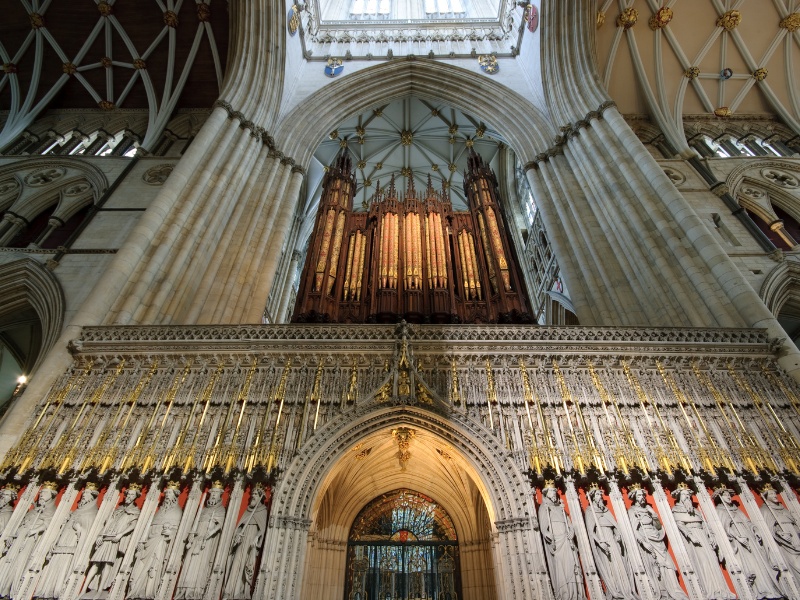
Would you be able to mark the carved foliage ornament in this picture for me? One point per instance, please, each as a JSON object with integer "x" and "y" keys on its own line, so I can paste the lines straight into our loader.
{"x": 730, "y": 20}
{"x": 203, "y": 13}
{"x": 627, "y": 18}
{"x": 105, "y": 8}
{"x": 760, "y": 74}
{"x": 692, "y": 72}
{"x": 661, "y": 19}
{"x": 792, "y": 22}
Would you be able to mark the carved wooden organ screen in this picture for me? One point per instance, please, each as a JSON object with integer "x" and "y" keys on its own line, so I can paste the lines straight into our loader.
{"x": 411, "y": 256}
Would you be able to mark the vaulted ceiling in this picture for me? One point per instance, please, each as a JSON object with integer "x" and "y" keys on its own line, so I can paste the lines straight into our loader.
{"x": 668, "y": 58}
{"x": 158, "y": 55}
{"x": 410, "y": 140}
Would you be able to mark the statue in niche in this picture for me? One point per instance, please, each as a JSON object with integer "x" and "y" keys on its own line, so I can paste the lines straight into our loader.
{"x": 150, "y": 559}
{"x": 560, "y": 546}
{"x": 784, "y": 529}
{"x": 110, "y": 547}
{"x": 650, "y": 536}
{"x": 58, "y": 569}
{"x": 608, "y": 549}
{"x": 25, "y": 538}
{"x": 7, "y": 496}
{"x": 201, "y": 546}
{"x": 748, "y": 547}
{"x": 700, "y": 545}
{"x": 240, "y": 570}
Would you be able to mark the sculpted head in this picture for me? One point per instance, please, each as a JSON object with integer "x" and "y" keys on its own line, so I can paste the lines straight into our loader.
{"x": 132, "y": 494}
{"x": 596, "y": 497}
{"x": 171, "y": 493}
{"x": 214, "y": 495}
{"x": 256, "y": 496}
{"x": 770, "y": 494}
{"x": 47, "y": 494}
{"x": 7, "y": 496}
{"x": 723, "y": 494}
{"x": 551, "y": 493}
{"x": 89, "y": 495}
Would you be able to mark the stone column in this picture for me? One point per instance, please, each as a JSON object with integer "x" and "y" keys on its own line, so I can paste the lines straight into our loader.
{"x": 288, "y": 286}
{"x": 11, "y": 226}
{"x": 282, "y": 565}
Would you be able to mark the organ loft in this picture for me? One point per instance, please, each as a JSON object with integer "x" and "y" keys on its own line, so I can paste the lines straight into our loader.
{"x": 411, "y": 255}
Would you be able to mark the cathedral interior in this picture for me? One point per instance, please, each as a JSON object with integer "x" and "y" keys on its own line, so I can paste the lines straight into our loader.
{"x": 400, "y": 299}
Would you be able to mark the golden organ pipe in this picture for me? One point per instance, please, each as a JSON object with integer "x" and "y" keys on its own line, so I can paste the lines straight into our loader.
{"x": 362, "y": 239}
{"x": 337, "y": 246}
{"x": 323, "y": 251}
{"x": 487, "y": 250}
{"x": 430, "y": 263}
{"x": 464, "y": 272}
{"x": 395, "y": 265}
{"x": 384, "y": 251}
{"x": 349, "y": 266}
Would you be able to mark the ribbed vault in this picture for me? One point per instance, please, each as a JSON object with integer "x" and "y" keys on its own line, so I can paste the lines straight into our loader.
{"x": 525, "y": 127}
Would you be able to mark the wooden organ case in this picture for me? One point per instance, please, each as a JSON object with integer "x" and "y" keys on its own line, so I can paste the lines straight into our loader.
{"x": 410, "y": 256}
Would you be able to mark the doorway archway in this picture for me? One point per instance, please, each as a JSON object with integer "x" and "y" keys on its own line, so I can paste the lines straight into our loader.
{"x": 356, "y": 458}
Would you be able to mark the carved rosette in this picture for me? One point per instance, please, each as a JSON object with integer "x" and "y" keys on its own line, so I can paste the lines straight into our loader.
{"x": 203, "y": 13}
{"x": 37, "y": 21}
{"x": 601, "y": 19}
{"x": 692, "y": 72}
{"x": 170, "y": 19}
{"x": 9, "y": 68}
{"x": 106, "y": 62}
{"x": 106, "y": 105}
{"x": 69, "y": 68}
{"x": 104, "y": 8}
{"x": 760, "y": 74}
{"x": 730, "y": 20}
{"x": 406, "y": 138}
{"x": 139, "y": 64}
{"x": 661, "y": 19}
{"x": 792, "y": 22}
{"x": 628, "y": 18}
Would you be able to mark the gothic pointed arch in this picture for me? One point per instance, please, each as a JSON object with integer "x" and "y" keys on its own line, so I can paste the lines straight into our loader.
{"x": 299, "y": 500}
{"x": 28, "y": 288}
{"x": 525, "y": 128}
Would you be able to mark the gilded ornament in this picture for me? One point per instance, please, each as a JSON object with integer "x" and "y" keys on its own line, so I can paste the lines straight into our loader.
{"x": 378, "y": 112}
{"x": 367, "y": 182}
{"x": 406, "y": 137}
{"x": 452, "y": 140}
{"x": 294, "y": 19}
{"x": 69, "y": 68}
{"x": 361, "y": 131}
{"x": 791, "y": 23}
{"x": 37, "y": 20}
{"x": 106, "y": 105}
{"x": 453, "y": 167}
{"x": 661, "y": 19}
{"x": 105, "y": 8}
{"x": 480, "y": 131}
{"x": 760, "y": 74}
{"x": 379, "y": 165}
{"x": 488, "y": 63}
{"x": 730, "y": 20}
{"x": 434, "y": 113}
{"x": 692, "y": 72}
{"x": 106, "y": 62}
{"x": 139, "y": 64}
{"x": 343, "y": 143}
{"x": 628, "y": 18}
{"x": 722, "y": 112}
{"x": 170, "y": 19}
{"x": 469, "y": 143}
{"x": 405, "y": 172}
{"x": 334, "y": 134}
{"x": 361, "y": 164}
{"x": 9, "y": 68}
{"x": 453, "y": 129}
{"x": 203, "y": 13}
{"x": 435, "y": 168}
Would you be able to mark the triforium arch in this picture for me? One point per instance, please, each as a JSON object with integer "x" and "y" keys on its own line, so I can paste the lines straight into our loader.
{"x": 518, "y": 562}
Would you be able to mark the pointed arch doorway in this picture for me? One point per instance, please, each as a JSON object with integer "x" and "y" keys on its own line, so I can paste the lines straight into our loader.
{"x": 403, "y": 546}
{"x": 367, "y": 478}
